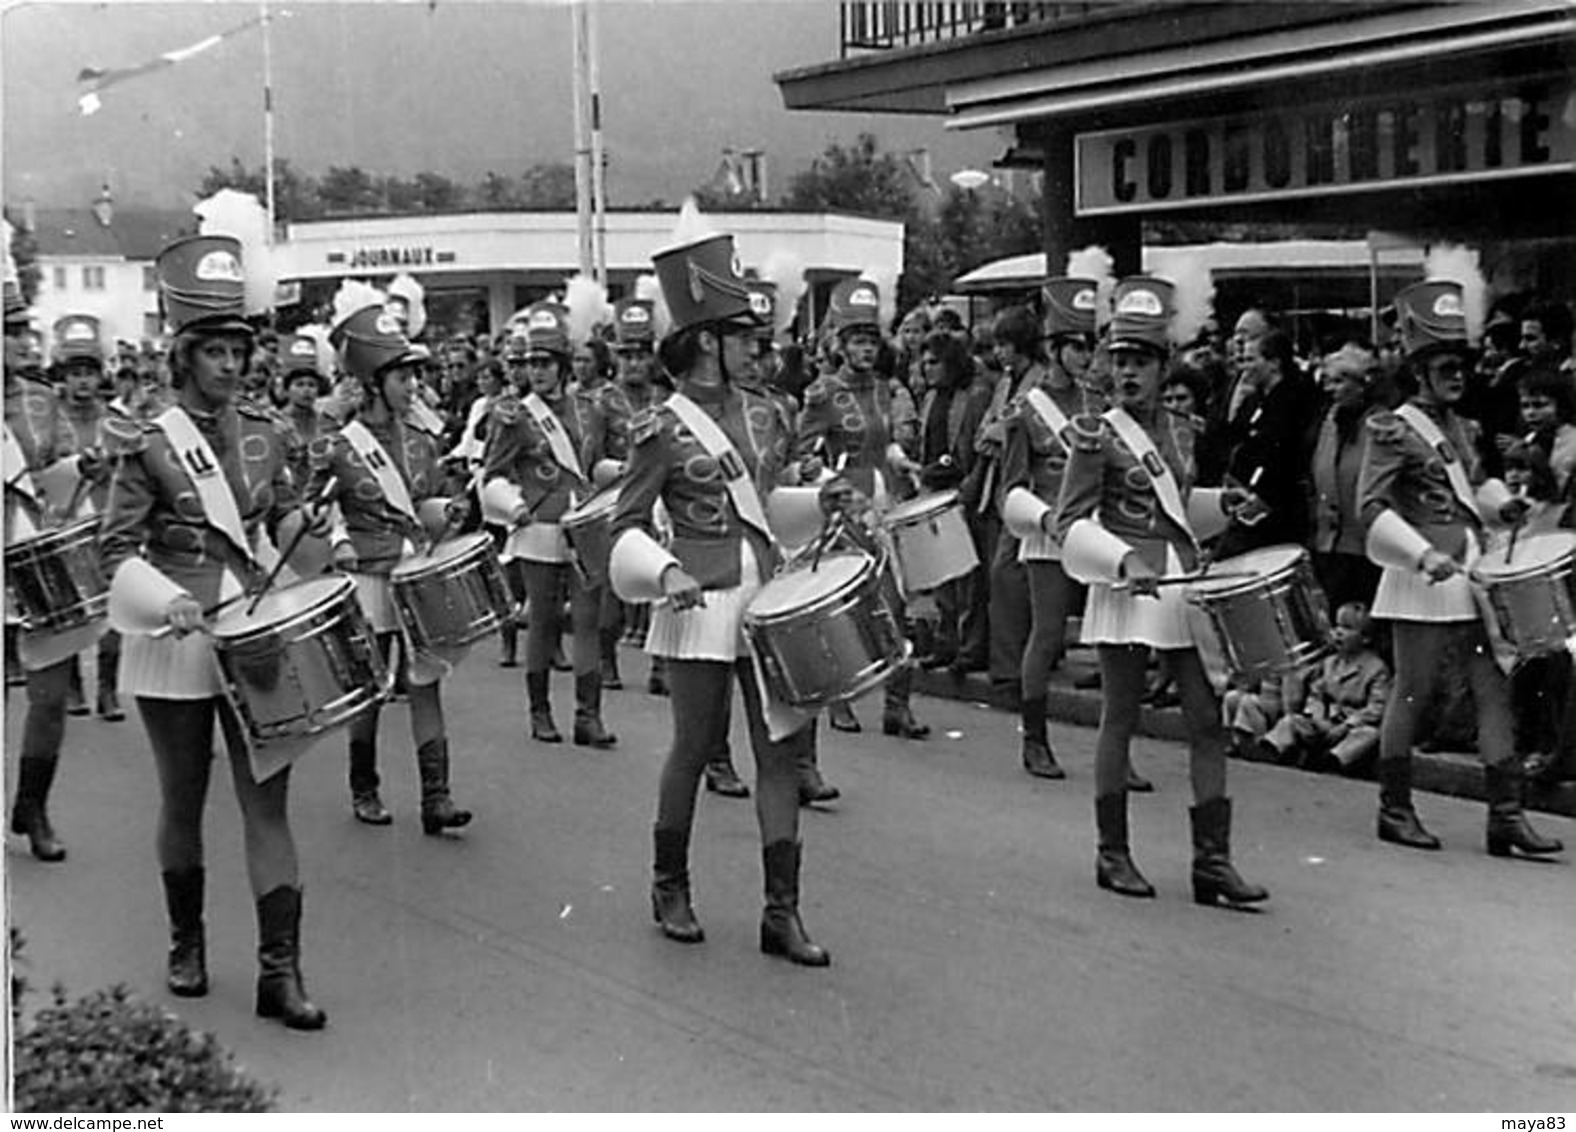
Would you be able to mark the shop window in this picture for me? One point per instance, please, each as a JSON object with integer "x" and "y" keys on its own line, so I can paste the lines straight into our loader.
{"x": 92, "y": 278}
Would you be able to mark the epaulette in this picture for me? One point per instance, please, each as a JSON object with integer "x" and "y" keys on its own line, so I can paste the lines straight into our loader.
{"x": 320, "y": 451}
{"x": 422, "y": 425}
{"x": 1385, "y": 427}
{"x": 644, "y": 425}
{"x": 124, "y": 436}
{"x": 818, "y": 391}
{"x": 1088, "y": 432}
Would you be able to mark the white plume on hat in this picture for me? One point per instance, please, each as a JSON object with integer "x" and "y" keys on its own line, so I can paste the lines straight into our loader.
{"x": 1459, "y": 264}
{"x": 1195, "y": 297}
{"x": 354, "y": 295}
{"x": 886, "y": 292}
{"x": 691, "y": 224}
{"x": 231, "y": 213}
{"x": 1095, "y": 262}
{"x": 325, "y": 349}
{"x": 404, "y": 286}
{"x": 649, "y": 287}
{"x": 785, "y": 269}
{"x": 588, "y": 307}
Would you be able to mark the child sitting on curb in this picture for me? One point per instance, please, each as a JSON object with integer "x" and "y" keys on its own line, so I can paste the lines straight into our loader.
{"x": 1332, "y": 721}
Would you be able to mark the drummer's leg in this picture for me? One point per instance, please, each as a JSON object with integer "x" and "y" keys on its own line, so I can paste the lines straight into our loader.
{"x": 1122, "y": 669}
{"x": 430, "y": 734}
{"x": 542, "y": 582}
{"x": 585, "y": 612}
{"x": 702, "y": 708}
{"x": 1201, "y": 712}
{"x": 1421, "y": 649}
{"x": 181, "y": 735}
{"x": 363, "y": 738}
{"x": 43, "y": 732}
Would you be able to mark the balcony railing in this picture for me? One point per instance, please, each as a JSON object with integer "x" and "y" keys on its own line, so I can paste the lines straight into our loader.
{"x": 878, "y": 25}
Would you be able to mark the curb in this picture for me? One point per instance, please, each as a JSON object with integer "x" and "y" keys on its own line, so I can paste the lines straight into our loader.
{"x": 1457, "y": 774}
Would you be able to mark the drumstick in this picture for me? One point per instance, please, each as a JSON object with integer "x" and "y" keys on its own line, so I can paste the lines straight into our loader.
{"x": 1184, "y": 579}
{"x": 1515, "y": 529}
{"x": 316, "y": 505}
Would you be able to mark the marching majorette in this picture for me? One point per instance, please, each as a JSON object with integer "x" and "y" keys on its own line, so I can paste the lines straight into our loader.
{"x": 193, "y": 493}
{"x": 388, "y": 484}
{"x": 850, "y": 423}
{"x": 541, "y": 459}
{"x": 1128, "y": 516}
{"x": 305, "y": 373}
{"x": 1038, "y": 423}
{"x": 709, "y": 453}
{"x": 1424, "y": 497}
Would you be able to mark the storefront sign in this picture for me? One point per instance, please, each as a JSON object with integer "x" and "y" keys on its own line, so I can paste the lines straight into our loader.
{"x": 373, "y": 259}
{"x": 1431, "y": 137}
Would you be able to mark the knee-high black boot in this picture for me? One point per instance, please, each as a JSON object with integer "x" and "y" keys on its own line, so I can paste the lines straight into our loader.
{"x": 611, "y": 681}
{"x": 1508, "y": 831}
{"x": 1114, "y": 868}
{"x": 30, "y": 813}
{"x": 670, "y": 886}
{"x": 897, "y": 718}
{"x": 183, "y": 900}
{"x": 589, "y": 731}
{"x": 365, "y": 801}
{"x": 1037, "y": 757}
{"x": 812, "y": 787}
{"x": 281, "y": 993}
{"x": 782, "y": 931}
{"x": 438, "y": 811}
{"x": 1398, "y": 822}
{"x": 109, "y": 708}
{"x": 76, "y": 700}
{"x": 1214, "y": 876}
{"x": 509, "y": 642}
{"x": 721, "y": 778}
{"x": 536, "y": 690}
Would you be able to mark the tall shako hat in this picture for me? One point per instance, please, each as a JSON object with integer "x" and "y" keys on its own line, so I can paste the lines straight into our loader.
{"x": 546, "y": 328}
{"x": 370, "y": 341}
{"x": 202, "y": 285}
{"x": 702, "y": 282}
{"x": 855, "y": 304}
{"x": 1141, "y": 312}
{"x": 1070, "y": 306}
{"x": 78, "y": 338}
{"x": 633, "y": 324}
{"x": 763, "y": 305}
{"x": 1431, "y": 316}
{"x": 298, "y": 356}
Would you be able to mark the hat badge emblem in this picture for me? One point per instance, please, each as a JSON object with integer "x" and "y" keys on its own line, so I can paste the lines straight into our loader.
{"x": 302, "y": 349}
{"x": 1084, "y": 300}
{"x": 760, "y": 304}
{"x": 1141, "y": 302}
{"x": 862, "y": 297}
{"x": 219, "y": 265}
{"x": 79, "y": 332}
{"x": 542, "y": 320}
{"x": 637, "y": 315}
{"x": 387, "y": 324}
{"x": 1448, "y": 305}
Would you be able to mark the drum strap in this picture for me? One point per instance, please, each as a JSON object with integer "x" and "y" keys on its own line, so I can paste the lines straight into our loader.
{"x": 1138, "y": 443}
{"x": 1424, "y": 426}
{"x": 1048, "y": 411}
{"x": 376, "y": 458}
{"x": 557, "y": 438}
{"x": 207, "y": 476}
{"x": 746, "y": 500}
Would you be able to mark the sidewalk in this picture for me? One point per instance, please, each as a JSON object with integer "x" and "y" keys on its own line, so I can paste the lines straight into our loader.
{"x": 1443, "y": 772}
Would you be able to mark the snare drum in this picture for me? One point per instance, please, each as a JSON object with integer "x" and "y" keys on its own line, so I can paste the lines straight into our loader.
{"x": 1273, "y": 622}
{"x": 55, "y": 578}
{"x": 303, "y": 661}
{"x": 1531, "y": 595}
{"x": 825, "y": 633}
{"x": 589, "y": 529}
{"x": 453, "y": 595}
{"x": 930, "y": 541}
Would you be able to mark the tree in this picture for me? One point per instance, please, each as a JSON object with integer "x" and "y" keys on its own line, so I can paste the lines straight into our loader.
{"x": 346, "y": 191}
{"x": 24, "y": 254}
{"x": 858, "y": 178}
{"x": 438, "y": 193}
{"x": 547, "y": 186}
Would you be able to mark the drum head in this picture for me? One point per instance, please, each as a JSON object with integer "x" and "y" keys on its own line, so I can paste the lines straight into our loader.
{"x": 447, "y": 551}
{"x": 922, "y": 508}
{"x": 1265, "y": 563}
{"x": 278, "y": 607}
{"x": 802, "y": 588}
{"x": 1534, "y": 555}
{"x": 602, "y": 503}
{"x": 68, "y": 535}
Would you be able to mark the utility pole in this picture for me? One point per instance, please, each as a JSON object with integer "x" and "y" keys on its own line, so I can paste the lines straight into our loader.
{"x": 584, "y": 172}
{"x": 598, "y": 158}
{"x": 268, "y": 121}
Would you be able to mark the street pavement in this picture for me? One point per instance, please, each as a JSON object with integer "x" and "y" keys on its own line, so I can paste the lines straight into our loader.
{"x": 975, "y": 965}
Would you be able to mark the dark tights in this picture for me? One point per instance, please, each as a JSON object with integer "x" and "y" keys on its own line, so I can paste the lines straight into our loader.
{"x": 1421, "y": 652}
{"x": 1051, "y": 596}
{"x": 544, "y": 590}
{"x": 1122, "y": 684}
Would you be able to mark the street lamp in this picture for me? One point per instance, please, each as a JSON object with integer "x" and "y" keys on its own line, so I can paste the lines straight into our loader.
{"x": 970, "y": 179}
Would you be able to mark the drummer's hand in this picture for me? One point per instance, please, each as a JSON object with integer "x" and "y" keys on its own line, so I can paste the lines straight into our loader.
{"x": 318, "y": 521}
{"x": 457, "y": 510}
{"x": 1438, "y": 566}
{"x": 810, "y": 469}
{"x": 521, "y": 517}
{"x": 184, "y": 614}
{"x": 345, "y": 556}
{"x": 1514, "y": 509}
{"x": 1140, "y": 576}
{"x": 838, "y": 495}
{"x": 93, "y": 465}
{"x": 681, "y": 589}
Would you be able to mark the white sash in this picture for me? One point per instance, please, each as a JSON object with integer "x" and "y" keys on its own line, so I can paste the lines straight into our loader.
{"x": 1138, "y": 443}
{"x": 1455, "y": 471}
{"x": 376, "y": 458}
{"x": 201, "y": 466}
{"x": 15, "y": 461}
{"x": 557, "y": 438}
{"x": 1049, "y": 412}
{"x": 741, "y": 488}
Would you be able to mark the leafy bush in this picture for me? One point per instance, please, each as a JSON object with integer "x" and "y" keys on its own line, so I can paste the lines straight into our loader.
{"x": 109, "y": 1052}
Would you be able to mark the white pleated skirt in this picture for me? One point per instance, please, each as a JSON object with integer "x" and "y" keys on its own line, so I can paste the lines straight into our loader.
{"x": 536, "y": 542}
{"x": 715, "y": 631}
{"x": 1118, "y": 617}
{"x": 168, "y": 667}
{"x": 375, "y": 593}
{"x": 1408, "y": 595}
{"x": 1039, "y": 548}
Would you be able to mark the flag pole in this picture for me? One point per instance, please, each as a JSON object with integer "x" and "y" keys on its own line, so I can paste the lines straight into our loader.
{"x": 582, "y": 110}
{"x": 268, "y": 120}
{"x": 598, "y": 164}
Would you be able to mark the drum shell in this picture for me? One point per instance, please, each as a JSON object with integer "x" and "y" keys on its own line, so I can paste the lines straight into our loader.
{"x": 1536, "y": 609}
{"x": 932, "y": 545}
{"x": 835, "y": 647}
{"x": 445, "y": 604}
{"x": 55, "y": 578}
{"x": 1270, "y": 625}
{"x": 303, "y": 674}
{"x": 589, "y": 530}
